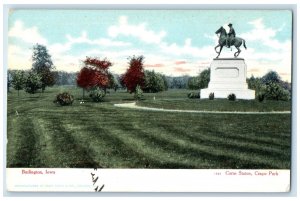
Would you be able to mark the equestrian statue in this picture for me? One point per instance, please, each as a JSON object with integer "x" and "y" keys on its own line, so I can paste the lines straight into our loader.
{"x": 228, "y": 40}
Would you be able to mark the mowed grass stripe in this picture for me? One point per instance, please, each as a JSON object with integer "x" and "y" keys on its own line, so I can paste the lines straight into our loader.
{"x": 219, "y": 157}
{"x": 159, "y": 148}
{"x": 108, "y": 150}
{"x": 218, "y": 135}
{"x": 131, "y": 144}
{"x": 229, "y": 145}
{"x": 26, "y": 139}
{"x": 13, "y": 139}
{"x": 132, "y": 152}
{"x": 214, "y": 124}
{"x": 63, "y": 149}
{"x": 211, "y": 131}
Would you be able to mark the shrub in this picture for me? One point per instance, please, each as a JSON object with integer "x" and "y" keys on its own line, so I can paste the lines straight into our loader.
{"x": 211, "y": 96}
{"x": 274, "y": 91}
{"x": 193, "y": 95}
{"x": 231, "y": 97}
{"x": 97, "y": 94}
{"x": 285, "y": 96}
{"x": 138, "y": 94}
{"x": 64, "y": 99}
{"x": 260, "y": 96}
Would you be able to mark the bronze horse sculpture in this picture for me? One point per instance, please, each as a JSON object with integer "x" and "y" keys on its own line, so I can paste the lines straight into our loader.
{"x": 237, "y": 42}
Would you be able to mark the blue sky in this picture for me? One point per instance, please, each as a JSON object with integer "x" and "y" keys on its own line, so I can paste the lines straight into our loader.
{"x": 174, "y": 42}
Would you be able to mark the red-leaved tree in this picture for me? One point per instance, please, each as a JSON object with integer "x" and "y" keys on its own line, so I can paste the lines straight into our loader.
{"x": 94, "y": 74}
{"x": 135, "y": 73}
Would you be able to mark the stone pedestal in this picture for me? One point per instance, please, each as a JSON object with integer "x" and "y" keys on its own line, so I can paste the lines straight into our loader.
{"x": 228, "y": 76}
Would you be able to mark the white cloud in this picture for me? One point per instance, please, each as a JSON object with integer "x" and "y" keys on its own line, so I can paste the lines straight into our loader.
{"x": 18, "y": 58}
{"x": 68, "y": 63}
{"x": 139, "y": 31}
{"x": 115, "y": 54}
{"x": 188, "y": 50}
{"x": 28, "y": 35}
{"x": 265, "y": 35}
{"x": 214, "y": 37}
{"x": 84, "y": 39}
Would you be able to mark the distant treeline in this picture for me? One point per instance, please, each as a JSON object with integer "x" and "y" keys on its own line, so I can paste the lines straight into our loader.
{"x": 61, "y": 77}
{"x": 178, "y": 82}
{"x": 69, "y": 78}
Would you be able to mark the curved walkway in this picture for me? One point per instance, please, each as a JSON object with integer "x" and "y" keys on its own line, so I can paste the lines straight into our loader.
{"x": 134, "y": 106}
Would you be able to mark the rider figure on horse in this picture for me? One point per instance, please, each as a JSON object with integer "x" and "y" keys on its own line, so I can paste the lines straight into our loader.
{"x": 230, "y": 35}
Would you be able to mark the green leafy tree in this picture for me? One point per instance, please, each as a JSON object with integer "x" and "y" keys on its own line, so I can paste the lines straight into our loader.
{"x": 271, "y": 76}
{"x": 113, "y": 82}
{"x": 48, "y": 78}
{"x": 286, "y": 85}
{"x": 42, "y": 64}
{"x": 33, "y": 82}
{"x": 194, "y": 83}
{"x": 257, "y": 84}
{"x": 204, "y": 78}
{"x": 178, "y": 83}
{"x": 270, "y": 87}
{"x": 199, "y": 82}
{"x": 274, "y": 91}
{"x": 166, "y": 83}
{"x": 154, "y": 82}
{"x": 18, "y": 80}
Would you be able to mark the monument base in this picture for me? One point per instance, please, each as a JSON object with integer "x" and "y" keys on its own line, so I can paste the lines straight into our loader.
{"x": 228, "y": 76}
{"x": 246, "y": 94}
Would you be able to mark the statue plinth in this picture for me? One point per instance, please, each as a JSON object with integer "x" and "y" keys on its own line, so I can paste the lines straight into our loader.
{"x": 227, "y": 76}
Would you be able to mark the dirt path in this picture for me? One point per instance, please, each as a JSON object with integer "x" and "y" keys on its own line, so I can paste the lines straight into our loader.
{"x": 134, "y": 106}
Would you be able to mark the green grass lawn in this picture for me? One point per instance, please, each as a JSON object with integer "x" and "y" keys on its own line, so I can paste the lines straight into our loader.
{"x": 218, "y": 105}
{"x": 44, "y": 134}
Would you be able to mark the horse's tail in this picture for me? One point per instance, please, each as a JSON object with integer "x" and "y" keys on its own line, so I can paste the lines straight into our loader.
{"x": 244, "y": 43}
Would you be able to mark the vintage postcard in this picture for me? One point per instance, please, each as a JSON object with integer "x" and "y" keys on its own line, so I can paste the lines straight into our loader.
{"x": 149, "y": 100}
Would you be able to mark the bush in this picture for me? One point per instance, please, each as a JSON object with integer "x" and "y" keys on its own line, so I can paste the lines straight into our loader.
{"x": 193, "y": 95}
{"x": 64, "y": 99}
{"x": 260, "y": 97}
{"x": 231, "y": 97}
{"x": 138, "y": 94}
{"x": 274, "y": 91}
{"x": 211, "y": 96}
{"x": 97, "y": 94}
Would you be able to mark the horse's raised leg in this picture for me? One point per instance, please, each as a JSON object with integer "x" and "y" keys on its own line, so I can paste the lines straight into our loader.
{"x": 216, "y": 48}
{"x": 220, "y": 51}
{"x": 236, "y": 54}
